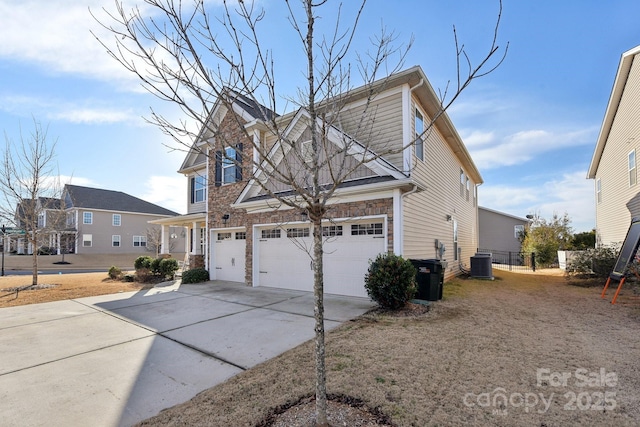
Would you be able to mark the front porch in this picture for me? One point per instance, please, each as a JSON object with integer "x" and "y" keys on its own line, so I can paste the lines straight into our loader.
{"x": 195, "y": 227}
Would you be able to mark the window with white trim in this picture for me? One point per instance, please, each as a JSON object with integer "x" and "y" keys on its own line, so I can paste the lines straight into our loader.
{"x": 117, "y": 220}
{"x": 419, "y": 129}
{"x": 366, "y": 229}
{"x": 87, "y": 240}
{"x": 139, "y": 241}
{"x": 632, "y": 168}
{"x": 518, "y": 231}
{"x": 273, "y": 233}
{"x": 229, "y": 166}
{"x": 461, "y": 183}
{"x": 298, "y": 232}
{"x": 332, "y": 230}
{"x": 468, "y": 185}
{"x": 198, "y": 189}
{"x": 87, "y": 217}
{"x": 115, "y": 240}
{"x": 241, "y": 235}
{"x": 598, "y": 190}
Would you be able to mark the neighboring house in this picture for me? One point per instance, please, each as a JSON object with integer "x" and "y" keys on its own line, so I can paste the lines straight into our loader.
{"x": 420, "y": 203}
{"x": 499, "y": 231}
{"x": 96, "y": 221}
{"x": 614, "y": 162}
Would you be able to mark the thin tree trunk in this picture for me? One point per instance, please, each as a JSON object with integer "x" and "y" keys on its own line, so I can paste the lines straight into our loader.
{"x": 34, "y": 281}
{"x": 318, "y": 293}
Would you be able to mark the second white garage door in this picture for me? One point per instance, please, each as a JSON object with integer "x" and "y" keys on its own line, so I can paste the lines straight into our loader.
{"x": 284, "y": 260}
{"x": 228, "y": 255}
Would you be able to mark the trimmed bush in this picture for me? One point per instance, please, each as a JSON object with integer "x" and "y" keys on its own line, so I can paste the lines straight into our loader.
{"x": 195, "y": 275}
{"x": 143, "y": 262}
{"x": 129, "y": 278}
{"x": 114, "y": 273}
{"x": 155, "y": 266}
{"x": 167, "y": 267}
{"x": 391, "y": 281}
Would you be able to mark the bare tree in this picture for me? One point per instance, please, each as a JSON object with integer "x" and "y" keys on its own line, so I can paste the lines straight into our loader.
{"x": 27, "y": 185}
{"x": 184, "y": 55}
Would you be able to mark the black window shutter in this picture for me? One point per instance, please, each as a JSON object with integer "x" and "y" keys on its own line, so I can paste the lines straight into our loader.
{"x": 218, "y": 169}
{"x": 193, "y": 190}
{"x": 239, "y": 162}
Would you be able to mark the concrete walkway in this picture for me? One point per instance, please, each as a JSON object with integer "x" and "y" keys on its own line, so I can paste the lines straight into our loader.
{"x": 114, "y": 360}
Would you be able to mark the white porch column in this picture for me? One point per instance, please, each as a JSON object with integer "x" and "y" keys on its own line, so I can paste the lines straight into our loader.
{"x": 164, "y": 239}
{"x": 196, "y": 239}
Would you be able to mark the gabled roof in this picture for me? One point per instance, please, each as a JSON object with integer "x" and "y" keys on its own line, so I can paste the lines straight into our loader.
{"x": 612, "y": 107}
{"x": 480, "y": 208}
{"x": 380, "y": 169}
{"x": 244, "y": 106}
{"x": 97, "y": 198}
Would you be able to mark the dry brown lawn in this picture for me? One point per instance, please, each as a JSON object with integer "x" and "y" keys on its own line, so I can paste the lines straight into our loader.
{"x": 522, "y": 350}
{"x": 63, "y": 286}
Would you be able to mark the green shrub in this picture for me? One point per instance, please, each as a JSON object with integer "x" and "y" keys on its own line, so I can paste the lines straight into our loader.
{"x": 155, "y": 266}
{"x": 167, "y": 267}
{"x": 597, "y": 262}
{"x": 129, "y": 278}
{"x": 114, "y": 273}
{"x": 143, "y": 262}
{"x": 195, "y": 275}
{"x": 391, "y": 281}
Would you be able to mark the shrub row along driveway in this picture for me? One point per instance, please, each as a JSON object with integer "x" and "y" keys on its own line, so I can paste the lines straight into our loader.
{"x": 521, "y": 350}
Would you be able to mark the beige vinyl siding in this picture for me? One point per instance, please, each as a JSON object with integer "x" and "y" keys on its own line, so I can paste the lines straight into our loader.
{"x": 382, "y": 124}
{"x": 612, "y": 213}
{"x": 198, "y": 207}
{"x": 425, "y": 212}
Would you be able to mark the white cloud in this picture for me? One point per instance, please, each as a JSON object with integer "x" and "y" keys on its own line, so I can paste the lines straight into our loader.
{"x": 167, "y": 191}
{"x": 571, "y": 193}
{"x": 57, "y": 36}
{"x": 490, "y": 150}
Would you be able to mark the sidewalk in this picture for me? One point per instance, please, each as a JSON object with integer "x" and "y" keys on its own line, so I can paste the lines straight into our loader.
{"x": 76, "y": 261}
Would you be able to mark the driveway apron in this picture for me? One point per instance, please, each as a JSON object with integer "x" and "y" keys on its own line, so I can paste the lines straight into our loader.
{"x": 114, "y": 360}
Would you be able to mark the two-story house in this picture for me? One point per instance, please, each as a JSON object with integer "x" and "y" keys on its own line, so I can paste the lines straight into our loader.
{"x": 420, "y": 201}
{"x": 614, "y": 162}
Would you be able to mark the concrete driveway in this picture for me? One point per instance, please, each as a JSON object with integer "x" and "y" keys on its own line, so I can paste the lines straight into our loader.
{"x": 114, "y": 360}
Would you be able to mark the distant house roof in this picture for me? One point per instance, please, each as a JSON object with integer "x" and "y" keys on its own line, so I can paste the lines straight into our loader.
{"x": 97, "y": 198}
{"x": 503, "y": 214}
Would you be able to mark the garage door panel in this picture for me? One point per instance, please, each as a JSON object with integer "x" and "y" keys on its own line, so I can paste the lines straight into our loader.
{"x": 229, "y": 257}
{"x": 346, "y": 260}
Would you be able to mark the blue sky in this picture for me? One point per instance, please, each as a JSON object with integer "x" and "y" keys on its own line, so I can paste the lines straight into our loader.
{"x": 530, "y": 126}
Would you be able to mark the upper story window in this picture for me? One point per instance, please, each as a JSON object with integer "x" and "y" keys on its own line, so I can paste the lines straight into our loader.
{"x": 461, "y": 183}
{"x": 71, "y": 219}
{"x": 198, "y": 189}
{"x": 468, "y": 185}
{"x": 518, "y": 231}
{"x": 117, "y": 220}
{"x": 632, "y": 168}
{"x": 41, "y": 220}
{"x": 598, "y": 190}
{"x": 419, "y": 129}
{"x": 87, "y": 217}
{"x": 228, "y": 168}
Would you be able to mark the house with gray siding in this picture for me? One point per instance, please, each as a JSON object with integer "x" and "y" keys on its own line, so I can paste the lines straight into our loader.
{"x": 614, "y": 163}
{"x": 499, "y": 231}
{"x": 110, "y": 222}
{"x": 419, "y": 202}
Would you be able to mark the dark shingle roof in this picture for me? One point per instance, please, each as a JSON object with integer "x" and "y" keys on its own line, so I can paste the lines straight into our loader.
{"x": 96, "y": 198}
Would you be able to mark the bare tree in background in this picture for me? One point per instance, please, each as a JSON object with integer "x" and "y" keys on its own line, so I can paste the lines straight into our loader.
{"x": 185, "y": 55}
{"x": 27, "y": 184}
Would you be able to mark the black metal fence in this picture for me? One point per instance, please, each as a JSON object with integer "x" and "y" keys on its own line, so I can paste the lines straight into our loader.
{"x": 512, "y": 261}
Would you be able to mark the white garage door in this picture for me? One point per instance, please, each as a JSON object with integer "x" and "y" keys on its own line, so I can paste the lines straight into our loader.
{"x": 284, "y": 262}
{"x": 228, "y": 255}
